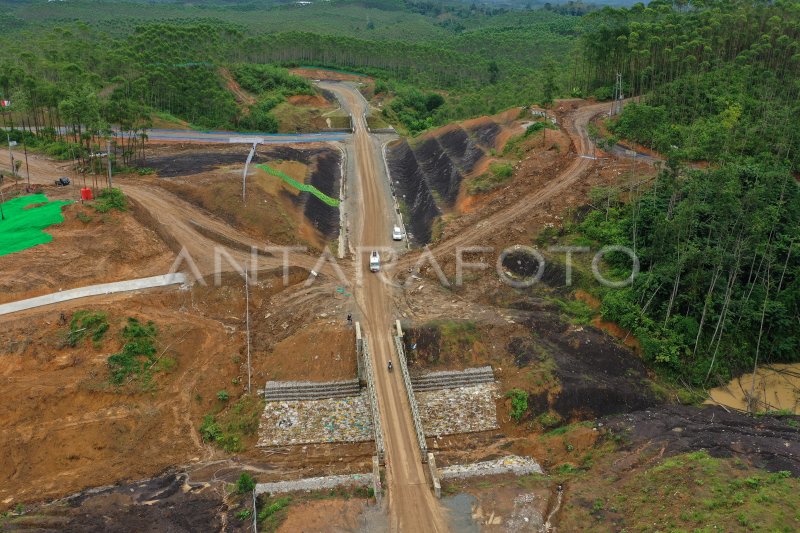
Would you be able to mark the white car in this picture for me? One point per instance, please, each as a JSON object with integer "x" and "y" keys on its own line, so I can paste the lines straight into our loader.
{"x": 374, "y": 261}
{"x": 397, "y": 234}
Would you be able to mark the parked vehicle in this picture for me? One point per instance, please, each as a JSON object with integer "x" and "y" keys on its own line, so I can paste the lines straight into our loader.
{"x": 374, "y": 261}
{"x": 62, "y": 181}
{"x": 397, "y": 234}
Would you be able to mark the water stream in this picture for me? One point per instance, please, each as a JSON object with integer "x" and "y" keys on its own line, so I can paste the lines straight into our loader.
{"x": 777, "y": 388}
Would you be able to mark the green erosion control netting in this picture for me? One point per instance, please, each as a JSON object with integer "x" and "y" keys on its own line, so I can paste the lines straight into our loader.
{"x": 301, "y": 186}
{"x": 24, "y": 228}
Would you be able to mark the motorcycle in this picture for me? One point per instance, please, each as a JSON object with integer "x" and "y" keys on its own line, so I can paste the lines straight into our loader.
{"x": 390, "y": 366}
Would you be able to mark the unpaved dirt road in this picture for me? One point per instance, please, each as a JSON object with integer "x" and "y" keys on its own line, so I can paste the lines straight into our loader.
{"x": 412, "y": 506}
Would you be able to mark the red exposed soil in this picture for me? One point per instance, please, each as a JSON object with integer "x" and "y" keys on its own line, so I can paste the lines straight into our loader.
{"x": 323, "y": 516}
{"x": 617, "y": 332}
{"x": 588, "y": 299}
{"x": 62, "y": 396}
{"x": 320, "y": 351}
{"x": 274, "y": 212}
{"x": 316, "y": 100}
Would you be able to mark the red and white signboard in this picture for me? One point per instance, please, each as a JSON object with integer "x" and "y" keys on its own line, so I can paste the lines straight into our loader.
{"x": 5, "y": 103}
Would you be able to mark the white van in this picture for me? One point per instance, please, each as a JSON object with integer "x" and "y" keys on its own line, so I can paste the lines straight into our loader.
{"x": 374, "y": 261}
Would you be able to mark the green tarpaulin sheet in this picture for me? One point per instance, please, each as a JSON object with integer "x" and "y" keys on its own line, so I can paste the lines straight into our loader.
{"x": 24, "y": 228}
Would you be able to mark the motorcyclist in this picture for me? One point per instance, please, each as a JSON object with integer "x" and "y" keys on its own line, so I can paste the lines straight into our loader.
{"x": 390, "y": 366}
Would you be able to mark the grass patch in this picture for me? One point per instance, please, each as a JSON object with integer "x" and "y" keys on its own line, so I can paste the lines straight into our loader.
{"x": 565, "y": 429}
{"x": 109, "y": 199}
{"x": 273, "y": 513}
{"x": 499, "y": 173}
{"x": 138, "y": 354}
{"x": 519, "y": 403}
{"x": 231, "y": 428}
{"x": 245, "y": 484}
{"x": 549, "y": 420}
{"x": 376, "y": 122}
{"x": 577, "y": 311}
{"x": 168, "y": 120}
{"x": 516, "y": 146}
{"x": 83, "y": 217}
{"x": 697, "y": 492}
{"x": 458, "y": 338}
{"x": 87, "y": 324}
{"x": 457, "y": 331}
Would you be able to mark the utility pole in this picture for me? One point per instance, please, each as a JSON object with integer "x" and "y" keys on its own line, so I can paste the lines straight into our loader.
{"x": 108, "y": 155}
{"x": 2, "y": 201}
{"x": 634, "y": 198}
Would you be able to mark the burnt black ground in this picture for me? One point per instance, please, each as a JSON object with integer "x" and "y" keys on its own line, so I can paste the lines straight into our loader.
{"x": 326, "y": 177}
{"x": 597, "y": 375}
{"x": 158, "y": 504}
{"x": 197, "y": 160}
{"x": 768, "y": 442}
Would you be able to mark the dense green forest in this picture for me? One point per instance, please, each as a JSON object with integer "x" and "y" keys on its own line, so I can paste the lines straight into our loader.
{"x": 166, "y": 58}
{"x": 719, "y": 83}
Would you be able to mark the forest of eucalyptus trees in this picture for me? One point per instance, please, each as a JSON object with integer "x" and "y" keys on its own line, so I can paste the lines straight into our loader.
{"x": 717, "y": 85}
